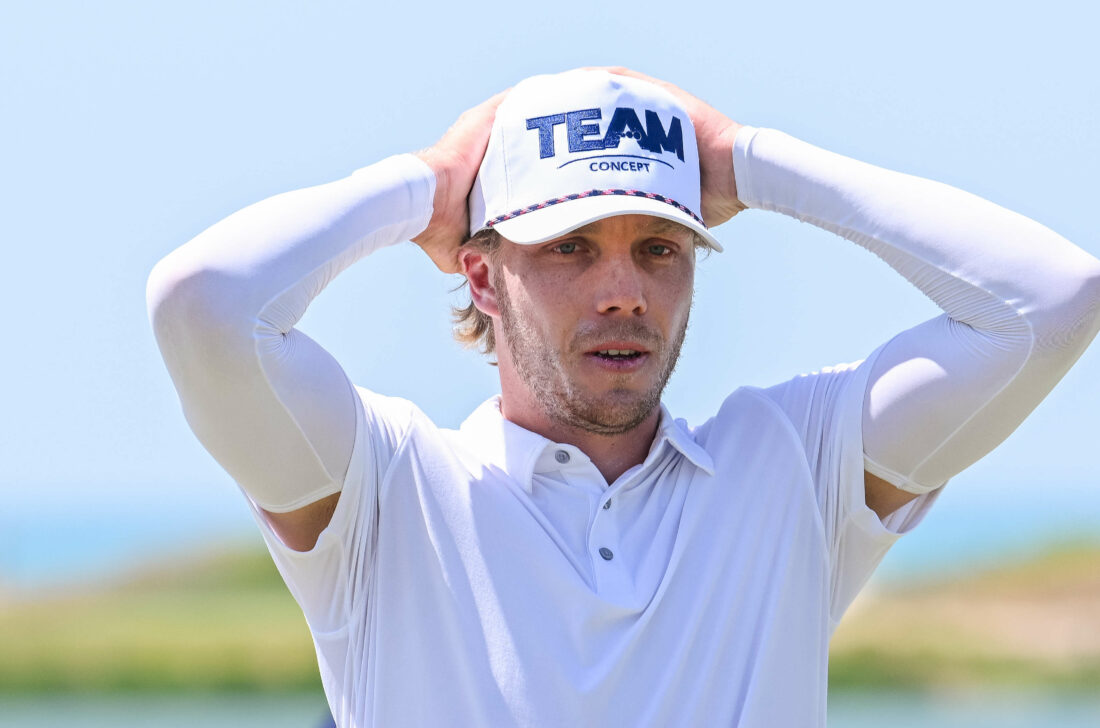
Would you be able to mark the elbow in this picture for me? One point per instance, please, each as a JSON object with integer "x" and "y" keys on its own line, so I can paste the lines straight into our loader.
{"x": 189, "y": 303}
{"x": 1073, "y": 319}
{"x": 1090, "y": 294}
{"x": 160, "y": 291}
{"x": 1091, "y": 283}
{"x": 1085, "y": 294}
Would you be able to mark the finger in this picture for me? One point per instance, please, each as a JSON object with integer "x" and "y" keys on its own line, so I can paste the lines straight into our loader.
{"x": 624, "y": 71}
{"x": 618, "y": 71}
{"x": 489, "y": 106}
{"x": 449, "y": 263}
{"x": 631, "y": 73}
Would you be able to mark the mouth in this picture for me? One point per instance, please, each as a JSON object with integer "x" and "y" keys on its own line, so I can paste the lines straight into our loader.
{"x": 618, "y": 356}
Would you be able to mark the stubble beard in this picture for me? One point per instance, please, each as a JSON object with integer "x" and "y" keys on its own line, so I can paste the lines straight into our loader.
{"x": 542, "y": 369}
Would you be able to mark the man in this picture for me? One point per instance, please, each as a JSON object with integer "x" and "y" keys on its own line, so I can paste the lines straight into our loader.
{"x": 573, "y": 555}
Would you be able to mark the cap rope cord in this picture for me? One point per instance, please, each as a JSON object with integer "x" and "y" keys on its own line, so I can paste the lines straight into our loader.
{"x": 592, "y": 193}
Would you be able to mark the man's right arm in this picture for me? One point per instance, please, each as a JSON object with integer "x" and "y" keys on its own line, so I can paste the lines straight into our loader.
{"x": 271, "y": 405}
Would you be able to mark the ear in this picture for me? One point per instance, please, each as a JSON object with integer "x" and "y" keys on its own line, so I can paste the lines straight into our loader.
{"x": 475, "y": 265}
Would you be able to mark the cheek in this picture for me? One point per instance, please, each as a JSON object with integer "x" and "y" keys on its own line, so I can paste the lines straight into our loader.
{"x": 548, "y": 298}
{"x": 529, "y": 316}
{"x": 678, "y": 291}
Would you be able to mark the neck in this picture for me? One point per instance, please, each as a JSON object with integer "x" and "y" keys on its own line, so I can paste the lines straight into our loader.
{"x": 612, "y": 455}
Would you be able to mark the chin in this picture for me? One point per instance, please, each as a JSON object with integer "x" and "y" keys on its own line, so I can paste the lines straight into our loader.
{"x": 610, "y": 415}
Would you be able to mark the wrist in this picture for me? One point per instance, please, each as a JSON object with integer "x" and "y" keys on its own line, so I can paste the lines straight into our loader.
{"x": 448, "y": 225}
{"x": 720, "y": 199}
{"x": 442, "y": 175}
{"x": 730, "y": 196}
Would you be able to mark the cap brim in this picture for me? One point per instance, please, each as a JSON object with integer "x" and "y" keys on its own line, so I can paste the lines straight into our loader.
{"x": 553, "y": 221}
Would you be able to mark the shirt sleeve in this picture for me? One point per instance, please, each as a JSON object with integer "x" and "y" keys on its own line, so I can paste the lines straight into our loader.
{"x": 270, "y": 404}
{"x": 330, "y": 581}
{"x": 826, "y": 411}
{"x": 1020, "y": 302}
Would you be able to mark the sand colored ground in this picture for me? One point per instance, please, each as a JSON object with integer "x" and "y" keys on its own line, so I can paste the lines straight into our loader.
{"x": 1035, "y": 622}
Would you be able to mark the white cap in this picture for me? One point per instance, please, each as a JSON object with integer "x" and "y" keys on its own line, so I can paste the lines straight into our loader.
{"x": 572, "y": 148}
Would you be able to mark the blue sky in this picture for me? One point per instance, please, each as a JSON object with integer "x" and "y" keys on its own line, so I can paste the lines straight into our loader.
{"x": 129, "y": 127}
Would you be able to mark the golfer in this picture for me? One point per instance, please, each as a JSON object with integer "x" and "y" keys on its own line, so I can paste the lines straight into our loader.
{"x": 574, "y": 554}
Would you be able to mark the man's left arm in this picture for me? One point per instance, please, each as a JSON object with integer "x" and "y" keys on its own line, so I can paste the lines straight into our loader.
{"x": 1021, "y": 304}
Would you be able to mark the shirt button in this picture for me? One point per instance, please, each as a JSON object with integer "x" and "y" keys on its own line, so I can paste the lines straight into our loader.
{"x": 561, "y": 456}
{"x": 606, "y": 554}
{"x": 607, "y": 505}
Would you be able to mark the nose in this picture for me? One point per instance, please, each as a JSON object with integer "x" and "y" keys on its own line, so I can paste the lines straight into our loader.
{"x": 620, "y": 286}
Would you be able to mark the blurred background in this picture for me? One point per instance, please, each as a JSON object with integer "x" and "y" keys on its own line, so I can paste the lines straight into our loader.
{"x": 133, "y": 586}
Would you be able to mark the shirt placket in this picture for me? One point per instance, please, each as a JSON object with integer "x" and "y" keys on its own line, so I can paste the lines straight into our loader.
{"x": 611, "y": 564}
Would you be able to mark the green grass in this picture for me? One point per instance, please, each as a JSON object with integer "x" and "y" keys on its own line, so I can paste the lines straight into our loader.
{"x": 935, "y": 670}
{"x": 226, "y": 623}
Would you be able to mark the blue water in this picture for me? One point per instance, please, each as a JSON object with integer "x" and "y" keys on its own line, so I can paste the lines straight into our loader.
{"x": 973, "y": 526}
{"x": 69, "y": 535}
{"x": 163, "y": 712}
{"x": 846, "y": 710}
{"x": 989, "y": 710}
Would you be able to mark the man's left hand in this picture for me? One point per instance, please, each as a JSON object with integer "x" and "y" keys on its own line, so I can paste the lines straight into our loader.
{"x": 715, "y": 133}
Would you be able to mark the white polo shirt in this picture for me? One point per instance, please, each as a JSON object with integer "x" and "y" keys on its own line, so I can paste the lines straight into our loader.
{"x": 475, "y": 577}
{"x": 490, "y": 577}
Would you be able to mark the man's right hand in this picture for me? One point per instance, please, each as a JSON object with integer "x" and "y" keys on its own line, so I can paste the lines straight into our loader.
{"x": 455, "y": 160}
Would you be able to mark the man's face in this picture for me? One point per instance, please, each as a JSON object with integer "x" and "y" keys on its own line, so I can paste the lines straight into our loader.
{"x": 592, "y": 322}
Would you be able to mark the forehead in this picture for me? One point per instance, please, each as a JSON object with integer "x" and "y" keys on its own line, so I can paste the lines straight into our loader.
{"x": 647, "y": 223}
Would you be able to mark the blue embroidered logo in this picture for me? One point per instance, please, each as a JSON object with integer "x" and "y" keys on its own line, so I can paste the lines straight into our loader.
{"x": 585, "y": 136}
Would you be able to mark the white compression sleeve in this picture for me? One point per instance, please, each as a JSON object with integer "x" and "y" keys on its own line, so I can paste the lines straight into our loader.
{"x": 1021, "y": 302}
{"x": 272, "y": 406}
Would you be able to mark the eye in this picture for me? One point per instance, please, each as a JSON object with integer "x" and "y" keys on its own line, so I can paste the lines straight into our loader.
{"x": 658, "y": 250}
{"x": 566, "y": 248}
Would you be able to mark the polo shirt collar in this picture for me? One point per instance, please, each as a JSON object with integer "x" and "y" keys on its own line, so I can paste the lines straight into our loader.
{"x": 677, "y": 434}
{"x": 505, "y": 445}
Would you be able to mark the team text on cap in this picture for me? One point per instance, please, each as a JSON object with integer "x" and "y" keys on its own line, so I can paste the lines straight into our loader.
{"x": 584, "y": 135}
